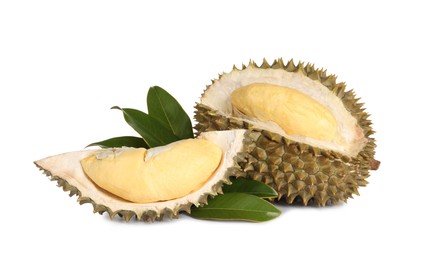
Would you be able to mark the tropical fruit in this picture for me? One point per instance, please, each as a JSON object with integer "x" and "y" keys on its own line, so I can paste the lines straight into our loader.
{"x": 149, "y": 183}
{"x": 309, "y": 137}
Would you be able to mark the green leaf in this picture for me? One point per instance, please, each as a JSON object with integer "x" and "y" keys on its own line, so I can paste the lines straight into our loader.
{"x": 128, "y": 141}
{"x": 237, "y": 206}
{"x": 252, "y": 187}
{"x": 165, "y": 108}
{"x": 151, "y": 129}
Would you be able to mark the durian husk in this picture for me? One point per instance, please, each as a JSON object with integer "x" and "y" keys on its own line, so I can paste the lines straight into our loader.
{"x": 299, "y": 172}
{"x": 67, "y": 171}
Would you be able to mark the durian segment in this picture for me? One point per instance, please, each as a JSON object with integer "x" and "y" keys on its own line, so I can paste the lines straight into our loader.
{"x": 297, "y": 114}
{"x": 67, "y": 170}
{"x": 218, "y": 97}
{"x": 173, "y": 171}
{"x": 299, "y": 170}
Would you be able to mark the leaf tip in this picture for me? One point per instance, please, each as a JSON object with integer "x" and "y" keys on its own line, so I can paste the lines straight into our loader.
{"x": 94, "y": 144}
{"x": 116, "y": 107}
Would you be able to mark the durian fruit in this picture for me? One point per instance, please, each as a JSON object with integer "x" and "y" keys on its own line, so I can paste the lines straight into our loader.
{"x": 149, "y": 184}
{"x": 310, "y": 139}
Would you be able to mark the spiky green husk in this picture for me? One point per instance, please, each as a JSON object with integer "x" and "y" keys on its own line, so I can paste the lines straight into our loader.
{"x": 299, "y": 172}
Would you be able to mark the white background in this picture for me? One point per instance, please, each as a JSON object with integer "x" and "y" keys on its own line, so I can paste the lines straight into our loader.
{"x": 63, "y": 64}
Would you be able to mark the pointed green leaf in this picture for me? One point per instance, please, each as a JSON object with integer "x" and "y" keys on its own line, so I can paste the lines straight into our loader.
{"x": 150, "y": 128}
{"x": 165, "y": 108}
{"x": 128, "y": 141}
{"x": 251, "y": 187}
{"x": 237, "y": 206}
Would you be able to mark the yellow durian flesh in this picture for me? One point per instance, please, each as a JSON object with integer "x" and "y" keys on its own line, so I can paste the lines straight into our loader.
{"x": 158, "y": 174}
{"x": 297, "y": 114}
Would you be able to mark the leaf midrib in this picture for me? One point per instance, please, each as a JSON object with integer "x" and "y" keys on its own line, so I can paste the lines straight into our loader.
{"x": 166, "y": 116}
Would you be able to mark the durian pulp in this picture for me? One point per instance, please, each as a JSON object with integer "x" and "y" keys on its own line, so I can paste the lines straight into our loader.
{"x": 158, "y": 174}
{"x": 296, "y": 113}
{"x": 218, "y": 97}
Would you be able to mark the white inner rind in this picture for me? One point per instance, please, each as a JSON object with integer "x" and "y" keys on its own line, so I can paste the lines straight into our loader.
{"x": 67, "y": 166}
{"x": 218, "y": 97}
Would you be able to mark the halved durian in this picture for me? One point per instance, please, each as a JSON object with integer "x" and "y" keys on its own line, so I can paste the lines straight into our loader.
{"x": 149, "y": 184}
{"x": 310, "y": 139}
